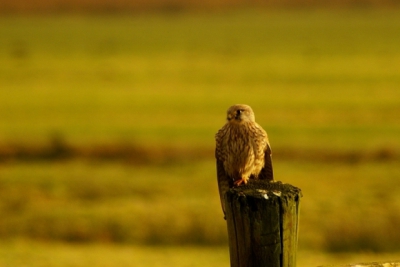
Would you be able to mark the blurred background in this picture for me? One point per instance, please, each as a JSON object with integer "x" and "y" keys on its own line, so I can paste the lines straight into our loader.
{"x": 108, "y": 111}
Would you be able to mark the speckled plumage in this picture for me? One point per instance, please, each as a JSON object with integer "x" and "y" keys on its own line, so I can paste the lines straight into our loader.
{"x": 242, "y": 150}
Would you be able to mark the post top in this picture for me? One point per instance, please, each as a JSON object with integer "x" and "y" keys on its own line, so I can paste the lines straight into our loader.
{"x": 266, "y": 189}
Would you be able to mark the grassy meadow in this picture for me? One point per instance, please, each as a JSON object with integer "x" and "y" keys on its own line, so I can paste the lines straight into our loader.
{"x": 105, "y": 91}
{"x": 25, "y": 253}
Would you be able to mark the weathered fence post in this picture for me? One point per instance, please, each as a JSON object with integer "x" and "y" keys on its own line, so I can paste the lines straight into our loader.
{"x": 263, "y": 219}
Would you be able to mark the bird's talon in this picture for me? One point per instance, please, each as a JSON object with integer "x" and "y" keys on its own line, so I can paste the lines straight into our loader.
{"x": 239, "y": 182}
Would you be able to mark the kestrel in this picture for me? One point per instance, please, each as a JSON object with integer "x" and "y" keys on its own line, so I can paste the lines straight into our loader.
{"x": 242, "y": 150}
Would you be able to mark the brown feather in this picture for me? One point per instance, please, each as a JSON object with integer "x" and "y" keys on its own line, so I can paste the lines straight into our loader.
{"x": 267, "y": 171}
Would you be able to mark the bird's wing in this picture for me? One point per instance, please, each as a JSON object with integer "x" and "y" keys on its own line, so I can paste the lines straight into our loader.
{"x": 267, "y": 172}
{"x": 224, "y": 183}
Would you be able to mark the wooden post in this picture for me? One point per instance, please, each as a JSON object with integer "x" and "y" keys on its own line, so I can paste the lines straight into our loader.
{"x": 263, "y": 219}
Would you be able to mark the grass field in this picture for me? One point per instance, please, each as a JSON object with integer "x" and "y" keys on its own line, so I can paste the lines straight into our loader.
{"x": 324, "y": 84}
{"x": 178, "y": 203}
{"x": 23, "y": 253}
{"x": 314, "y": 79}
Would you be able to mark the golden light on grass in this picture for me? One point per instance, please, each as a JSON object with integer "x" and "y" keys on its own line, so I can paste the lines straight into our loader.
{"x": 107, "y": 130}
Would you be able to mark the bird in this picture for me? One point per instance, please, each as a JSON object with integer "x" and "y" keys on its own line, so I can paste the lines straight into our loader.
{"x": 242, "y": 151}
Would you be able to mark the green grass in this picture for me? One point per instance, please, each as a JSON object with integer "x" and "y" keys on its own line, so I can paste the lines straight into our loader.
{"x": 318, "y": 81}
{"x": 178, "y": 203}
{"x": 22, "y": 253}
{"x": 26, "y": 253}
{"x": 315, "y": 79}
{"x": 112, "y": 202}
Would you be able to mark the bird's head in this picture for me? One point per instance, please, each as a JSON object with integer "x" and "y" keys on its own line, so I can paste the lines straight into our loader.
{"x": 240, "y": 113}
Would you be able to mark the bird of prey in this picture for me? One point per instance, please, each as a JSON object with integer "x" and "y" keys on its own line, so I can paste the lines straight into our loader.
{"x": 242, "y": 151}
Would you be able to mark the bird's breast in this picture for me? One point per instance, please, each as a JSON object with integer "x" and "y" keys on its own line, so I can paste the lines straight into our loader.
{"x": 240, "y": 153}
